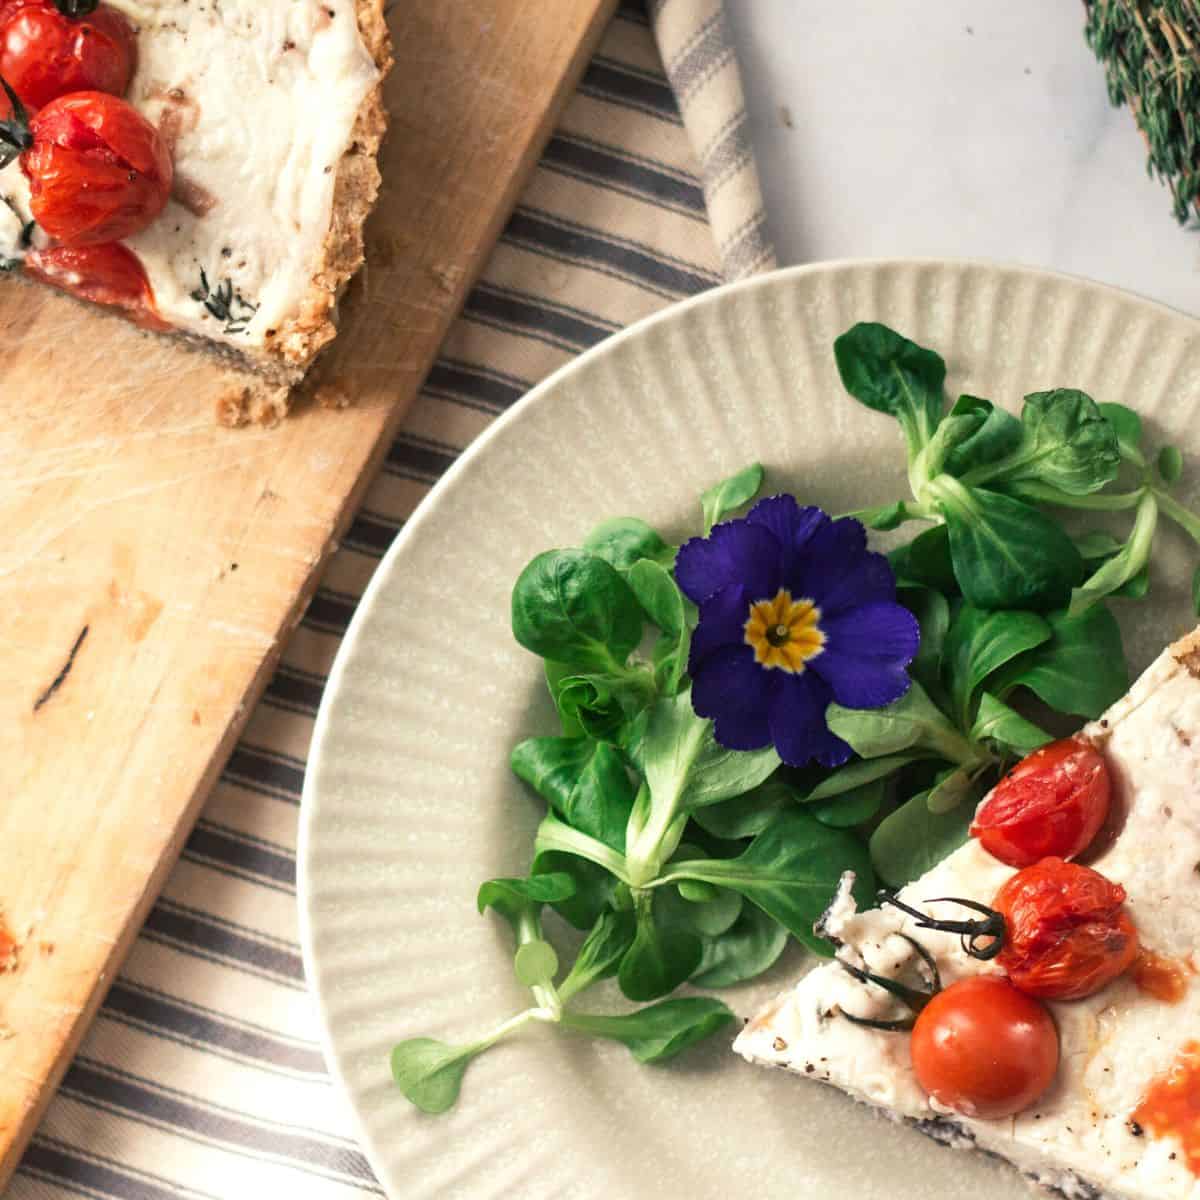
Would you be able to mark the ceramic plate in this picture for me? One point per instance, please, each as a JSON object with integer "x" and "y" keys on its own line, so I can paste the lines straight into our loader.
{"x": 409, "y": 803}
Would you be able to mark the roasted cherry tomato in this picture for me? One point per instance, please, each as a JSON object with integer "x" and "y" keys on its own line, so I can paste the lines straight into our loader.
{"x": 985, "y": 1049}
{"x": 1051, "y": 804}
{"x": 45, "y": 54}
{"x": 98, "y": 171}
{"x": 109, "y": 274}
{"x": 1067, "y": 933}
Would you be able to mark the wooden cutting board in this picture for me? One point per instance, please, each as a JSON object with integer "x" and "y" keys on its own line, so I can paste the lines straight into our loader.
{"x": 151, "y": 562}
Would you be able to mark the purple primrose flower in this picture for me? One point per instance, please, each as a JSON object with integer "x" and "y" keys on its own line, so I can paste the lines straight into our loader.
{"x": 795, "y": 612}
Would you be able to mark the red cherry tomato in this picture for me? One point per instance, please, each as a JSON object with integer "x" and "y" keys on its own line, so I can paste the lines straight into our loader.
{"x": 98, "y": 171}
{"x": 111, "y": 275}
{"x": 44, "y": 54}
{"x": 985, "y": 1049}
{"x": 1067, "y": 934}
{"x": 1051, "y": 804}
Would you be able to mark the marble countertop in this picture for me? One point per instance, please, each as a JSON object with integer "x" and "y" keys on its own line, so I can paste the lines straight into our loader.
{"x": 954, "y": 128}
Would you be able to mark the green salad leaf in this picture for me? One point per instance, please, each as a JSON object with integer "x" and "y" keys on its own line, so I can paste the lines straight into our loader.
{"x": 750, "y": 813}
{"x": 575, "y": 608}
{"x": 514, "y": 898}
{"x": 750, "y": 946}
{"x": 731, "y": 494}
{"x": 996, "y": 434}
{"x": 996, "y": 722}
{"x": 1080, "y": 670}
{"x": 1066, "y": 443}
{"x": 1006, "y": 553}
{"x": 1124, "y": 566}
{"x": 790, "y": 870}
{"x": 665, "y": 605}
{"x": 932, "y": 610}
{"x": 979, "y": 642}
{"x": 584, "y": 781}
{"x": 892, "y": 375}
{"x": 662, "y": 955}
{"x": 429, "y": 1072}
{"x": 1170, "y": 465}
{"x": 623, "y": 541}
{"x": 1127, "y": 425}
{"x": 851, "y": 807}
{"x": 659, "y": 1032}
{"x": 598, "y": 958}
{"x": 913, "y": 840}
{"x": 913, "y": 722}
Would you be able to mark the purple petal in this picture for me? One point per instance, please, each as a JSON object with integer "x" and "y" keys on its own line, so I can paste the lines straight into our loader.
{"x": 831, "y": 565}
{"x": 866, "y": 652}
{"x": 792, "y": 525}
{"x": 797, "y": 721}
{"x": 881, "y": 632}
{"x": 861, "y": 682}
{"x": 732, "y": 689}
{"x": 735, "y": 552}
{"x": 722, "y": 623}
{"x": 864, "y": 580}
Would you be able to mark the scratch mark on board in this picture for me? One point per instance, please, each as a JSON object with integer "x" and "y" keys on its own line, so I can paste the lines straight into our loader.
{"x": 61, "y": 677}
{"x": 135, "y": 493}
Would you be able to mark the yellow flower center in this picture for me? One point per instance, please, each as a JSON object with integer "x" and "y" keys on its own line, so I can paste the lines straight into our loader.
{"x": 783, "y": 632}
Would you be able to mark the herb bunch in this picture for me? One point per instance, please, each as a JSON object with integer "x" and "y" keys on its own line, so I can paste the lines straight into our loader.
{"x": 1150, "y": 50}
{"x": 681, "y": 860}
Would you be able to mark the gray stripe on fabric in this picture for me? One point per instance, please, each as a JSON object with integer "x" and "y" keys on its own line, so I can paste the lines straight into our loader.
{"x": 328, "y": 612}
{"x": 497, "y": 390}
{"x": 605, "y": 167}
{"x": 169, "y": 1017}
{"x": 747, "y": 249}
{"x": 422, "y": 459}
{"x": 697, "y": 37}
{"x": 708, "y": 52}
{"x": 560, "y": 326}
{"x": 556, "y": 237}
{"x": 272, "y": 867}
{"x": 729, "y": 152}
{"x": 267, "y": 771}
{"x": 618, "y": 83}
{"x": 123, "y": 1093}
{"x": 221, "y": 941}
{"x": 52, "y": 1160}
{"x": 229, "y": 872}
{"x": 299, "y": 691}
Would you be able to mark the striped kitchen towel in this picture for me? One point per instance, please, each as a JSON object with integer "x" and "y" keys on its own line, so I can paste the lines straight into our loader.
{"x": 697, "y": 51}
{"x": 202, "y": 1076}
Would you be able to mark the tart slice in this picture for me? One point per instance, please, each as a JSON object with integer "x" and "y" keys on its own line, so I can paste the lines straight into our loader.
{"x": 271, "y": 113}
{"x": 1121, "y": 1118}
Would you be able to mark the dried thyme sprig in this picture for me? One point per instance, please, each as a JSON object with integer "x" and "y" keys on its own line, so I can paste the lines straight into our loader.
{"x": 224, "y": 303}
{"x": 1150, "y": 50}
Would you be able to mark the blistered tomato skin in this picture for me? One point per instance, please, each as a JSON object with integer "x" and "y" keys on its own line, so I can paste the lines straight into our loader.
{"x": 1067, "y": 932}
{"x": 98, "y": 171}
{"x": 111, "y": 275}
{"x": 1052, "y": 804}
{"x": 985, "y": 1049}
{"x": 44, "y": 54}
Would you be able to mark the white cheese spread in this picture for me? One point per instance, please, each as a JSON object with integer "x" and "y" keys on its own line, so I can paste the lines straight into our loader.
{"x": 1113, "y": 1044}
{"x": 259, "y": 98}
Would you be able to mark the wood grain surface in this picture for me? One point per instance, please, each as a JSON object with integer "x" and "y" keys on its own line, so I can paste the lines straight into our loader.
{"x": 164, "y": 558}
